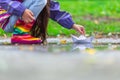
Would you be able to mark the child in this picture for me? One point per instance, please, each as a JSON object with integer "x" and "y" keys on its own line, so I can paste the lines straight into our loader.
{"x": 61, "y": 17}
{"x": 16, "y": 9}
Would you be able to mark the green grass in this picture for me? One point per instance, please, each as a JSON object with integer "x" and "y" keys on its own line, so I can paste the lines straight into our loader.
{"x": 95, "y": 15}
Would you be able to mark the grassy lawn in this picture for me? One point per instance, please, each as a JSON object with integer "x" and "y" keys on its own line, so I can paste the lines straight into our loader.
{"x": 96, "y": 15}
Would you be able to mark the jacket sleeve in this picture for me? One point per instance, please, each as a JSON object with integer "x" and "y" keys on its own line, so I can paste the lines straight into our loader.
{"x": 13, "y": 7}
{"x": 62, "y": 17}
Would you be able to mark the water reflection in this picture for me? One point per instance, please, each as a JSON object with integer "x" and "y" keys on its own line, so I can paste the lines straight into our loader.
{"x": 82, "y": 46}
{"x": 58, "y": 48}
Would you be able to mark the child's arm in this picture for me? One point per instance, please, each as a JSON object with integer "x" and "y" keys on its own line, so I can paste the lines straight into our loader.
{"x": 13, "y": 7}
{"x": 64, "y": 18}
{"x": 61, "y": 17}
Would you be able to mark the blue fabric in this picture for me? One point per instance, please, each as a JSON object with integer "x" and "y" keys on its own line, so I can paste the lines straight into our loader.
{"x": 35, "y": 6}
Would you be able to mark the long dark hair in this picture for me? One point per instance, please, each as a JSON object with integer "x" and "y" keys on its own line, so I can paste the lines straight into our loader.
{"x": 39, "y": 28}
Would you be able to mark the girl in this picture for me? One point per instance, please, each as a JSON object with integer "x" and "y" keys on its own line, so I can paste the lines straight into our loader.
{"x": 22, "y": 27}
{"x": 61, "y": 17}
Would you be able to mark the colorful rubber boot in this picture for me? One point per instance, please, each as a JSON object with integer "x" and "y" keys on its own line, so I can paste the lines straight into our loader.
{"x": 21, "y": 34}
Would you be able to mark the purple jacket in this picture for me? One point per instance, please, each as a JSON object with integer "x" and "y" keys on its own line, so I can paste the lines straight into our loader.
{"x": 13, "y": 6}
{"x": 62, "y": 17}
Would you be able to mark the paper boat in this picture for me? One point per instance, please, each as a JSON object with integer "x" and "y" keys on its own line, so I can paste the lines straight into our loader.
{"x": 82, "y": 40}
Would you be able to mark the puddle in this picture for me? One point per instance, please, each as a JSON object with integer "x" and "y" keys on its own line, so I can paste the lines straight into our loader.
{"x": 59, "y": 48}
{"x": 60, "y": 62}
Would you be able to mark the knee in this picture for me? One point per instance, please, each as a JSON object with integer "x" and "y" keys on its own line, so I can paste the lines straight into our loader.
{"x": 42, "y": 2}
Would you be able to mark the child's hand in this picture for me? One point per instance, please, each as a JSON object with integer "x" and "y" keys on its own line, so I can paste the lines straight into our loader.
{"x": 0, "y": 25}
{"x": 28, "y": 16}
{"x": 79, "y": 28}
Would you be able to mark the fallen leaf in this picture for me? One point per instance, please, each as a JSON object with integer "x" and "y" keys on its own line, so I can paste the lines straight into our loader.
{"x": 96, "y": 21}
{"x": 91, "y": 51}
{"x": 63, "y": 41}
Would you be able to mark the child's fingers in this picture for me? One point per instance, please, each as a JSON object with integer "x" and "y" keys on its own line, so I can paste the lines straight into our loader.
{"x": 31, "y": 12}
{"x": 28, "y": 21}
{"x": 28, "y": 16}
{"x": 31, "y": 17}
{"x": 82, "y": 31}
{"x": 0, "y": 25}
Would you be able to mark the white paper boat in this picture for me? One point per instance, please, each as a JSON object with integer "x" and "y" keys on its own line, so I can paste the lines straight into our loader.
{"x": 82, "y": 39}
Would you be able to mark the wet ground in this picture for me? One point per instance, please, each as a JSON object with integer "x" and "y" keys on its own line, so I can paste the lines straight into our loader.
{"x": 57, "y": 61}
